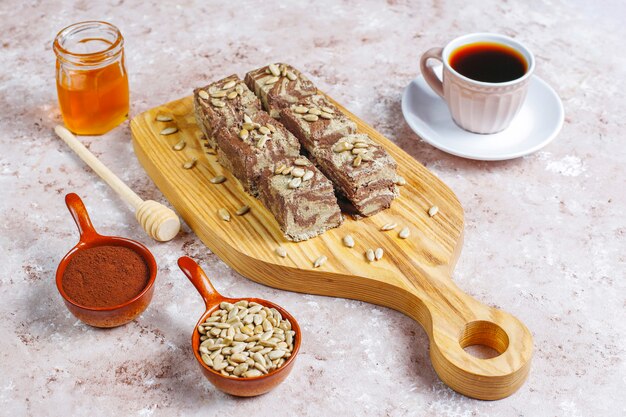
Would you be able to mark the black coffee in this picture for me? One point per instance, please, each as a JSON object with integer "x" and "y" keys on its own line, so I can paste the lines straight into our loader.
{"x": 488, "y": 62}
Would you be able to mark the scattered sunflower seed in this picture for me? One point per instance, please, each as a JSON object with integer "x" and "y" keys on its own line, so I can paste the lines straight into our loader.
{"x": 358, "y": 151}
{"x": 325, "y": 115}
{"x": 433, "y": 210}
{"x": 287, "y": 171}
{"x": 369, "y": 254}
{"x": 318, "y": 262}
{"x": 378, "y": 253}
{"x": 301, "y": 162}
{"x": 218, "y": 179}
{"x": 310, "y": 117}
{"x": 242, "y": 210}
{"x": 279, "y": 169}
{"x": 239, "y": 89}
{"x": 261, "y": 142}
{"x": 243, "y": 134}
{"x": 247, "y": 118}
{"x": 271, "y": 80}
{"x": 361, "y": 145}
{"x": 217, "y": 103}
{"x": 224, "y": 214}
{"x": 357, "y": 161}
{"x": 300, "y": 110}
{"x": 291, "y": 76}
{"x": 169, "y": 130}
{"x": 348, "y": 240}
{"x": 315, "y": 111}
{"x": 180, "y": 145}
{"x": 328, "y": 110}
{"x": 388, "y": 226}
{"x": 282, "y": 252}
{"x": 232, "y": 95}
{"x": 190, "y": 164}
{"x": 203, "y": 94}
{"x": 264, "y": 130}
{"x": 164, "y": 118}
{"x": 218, "y": 94}
{"x": 404, "y": 233}
{"x": 342, "y": 146}
{"x": 400, "y": 181}
{"x": 308, "y": 175}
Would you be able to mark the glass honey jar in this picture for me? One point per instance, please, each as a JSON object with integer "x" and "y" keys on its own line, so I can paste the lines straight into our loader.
{"x": 92, "y": 83}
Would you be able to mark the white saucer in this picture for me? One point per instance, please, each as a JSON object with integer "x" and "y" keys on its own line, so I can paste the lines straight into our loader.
{"x": 539, "y": 121}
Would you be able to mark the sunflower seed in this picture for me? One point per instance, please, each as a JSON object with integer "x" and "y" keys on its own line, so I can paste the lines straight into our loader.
{"x": 357, "y": 161}
{"x": 218, "y": 94}
{"x": 247, "y": 118}
{"x": 264, "y": 130}
{"x": 361, "y": 145}
{"x": 358, "y": 151}
{"x": 203, "y": 94}
{"x": 190, "y": 164}
{"x": 163, "y": 118}
{"x": 252, "y": 373}
{"x": 342, "y": 146}
{"x": 261, "y": 142}
{"x": 369, "y": 254}
{"x": 433, "y": 210}
{"x": 325, "y": 115}
{"x": 243, "y": 134}
{"x": 271, "y": 80}
{"x": 388, "y": 226}
{"x": 232, "y": 95}
{"x": 300, "y": 110}
{"x": 295, "y": 183}
{"x": 242, "y": 210}
{"x": 217, "y": 103}
{"x": 248, "y": 126}
{"x": 282, "y": 252}
{"x": 366, "y": 157}
{"x": 320, "y": 261}
{"x": 308, "y": 175}
{"x": 271, "y": 128}
{"x": 291, "y": 76}
{"x": 239, "y": 89}
{"x": 287, "y": 170}
{"x": 310, "y": 117}
{"x": 229, "y": 84}
{"x": 180, "y": 145}
{"x": 378, "y": 253}
{"x": 298, "y": 172}
{"x": 404, "y": 233}
{"x": 224, "y": 214}
{"x": 400, "y": 181}
{"x": 301, "y": 162}
{"x": 315, "y": 111}
{"x": 218, "y": 180}
{"x": 279, "y": 169}
{"x": 348, "y": 241}
{"x": 274, "y": 70}
{"x": 328, "y": 110}
{"x": 169, "y": 130}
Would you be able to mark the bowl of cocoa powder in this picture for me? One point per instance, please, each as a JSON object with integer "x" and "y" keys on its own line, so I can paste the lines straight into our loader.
{"x": 105, "y": 281}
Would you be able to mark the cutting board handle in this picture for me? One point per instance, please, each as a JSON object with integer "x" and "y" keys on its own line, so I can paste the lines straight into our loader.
{"x": 455, "y": 321}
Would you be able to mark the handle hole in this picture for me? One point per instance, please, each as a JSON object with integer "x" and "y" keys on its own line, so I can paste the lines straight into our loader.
{"x": 484, "y": 339}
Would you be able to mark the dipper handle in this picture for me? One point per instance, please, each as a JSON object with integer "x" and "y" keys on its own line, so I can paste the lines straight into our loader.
{"x": 159, "y": 222}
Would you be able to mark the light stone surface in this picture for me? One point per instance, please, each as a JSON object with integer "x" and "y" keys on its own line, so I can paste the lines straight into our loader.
{"x": 544, "y": 238}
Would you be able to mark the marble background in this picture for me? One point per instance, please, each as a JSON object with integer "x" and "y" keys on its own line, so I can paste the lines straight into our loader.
{"x": 545, "y": 234}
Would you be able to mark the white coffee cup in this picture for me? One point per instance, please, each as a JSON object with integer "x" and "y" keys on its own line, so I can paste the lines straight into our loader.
{"x": 479, "y": 106}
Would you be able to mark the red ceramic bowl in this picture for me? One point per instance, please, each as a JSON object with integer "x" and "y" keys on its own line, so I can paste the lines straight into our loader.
{"x": 242, "y": 387}
{"x": 112, "y": 316}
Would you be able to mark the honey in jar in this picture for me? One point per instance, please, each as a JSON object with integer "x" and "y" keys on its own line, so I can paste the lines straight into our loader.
{"x": 92, "y": 83}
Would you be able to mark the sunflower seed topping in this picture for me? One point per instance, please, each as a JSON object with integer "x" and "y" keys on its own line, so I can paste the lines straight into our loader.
{"x": 318, "y": 262}
{"x": 229, "y": 84}
{"x": 274, "y": 70}
{"x": 369, "y": 254}
{"x": 404, "y": 233}
{"x": 308, "y": 175}
{"x": 282, "y": 252}
{"x": 180, "y": 145}
{"x": 166, "y": 118}
{"x": 203, "y": 95}
{"x": 433, "y": 210}
{"x": 271, "y": 80}
{"x": 242, "y": 210}
{"x": 388, "y": 226}
{"x": 295, "y": 183}
{"x": 348, "y": 240}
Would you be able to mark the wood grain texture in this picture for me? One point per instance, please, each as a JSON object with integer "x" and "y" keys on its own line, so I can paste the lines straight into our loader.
{"x": 413, "y": 276}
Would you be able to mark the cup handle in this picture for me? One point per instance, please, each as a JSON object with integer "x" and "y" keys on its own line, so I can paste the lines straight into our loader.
{"x": 427, "y": 71}
{"x": 199, "y": 279}
{"x": 81, "y": 217}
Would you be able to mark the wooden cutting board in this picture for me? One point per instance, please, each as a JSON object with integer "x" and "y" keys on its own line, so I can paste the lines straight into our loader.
{"x": 413, "y": 277}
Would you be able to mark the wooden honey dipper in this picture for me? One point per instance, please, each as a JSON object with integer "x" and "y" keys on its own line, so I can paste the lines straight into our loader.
{"x": 159, "y": 222}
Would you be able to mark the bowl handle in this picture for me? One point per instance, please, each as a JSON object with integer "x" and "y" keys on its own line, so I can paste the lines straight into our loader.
{"x": 200, "y": 280}
{"x": 81, "y": 217}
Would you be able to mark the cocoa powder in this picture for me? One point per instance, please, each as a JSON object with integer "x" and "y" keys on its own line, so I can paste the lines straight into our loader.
{"x": 105, "y": 276}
